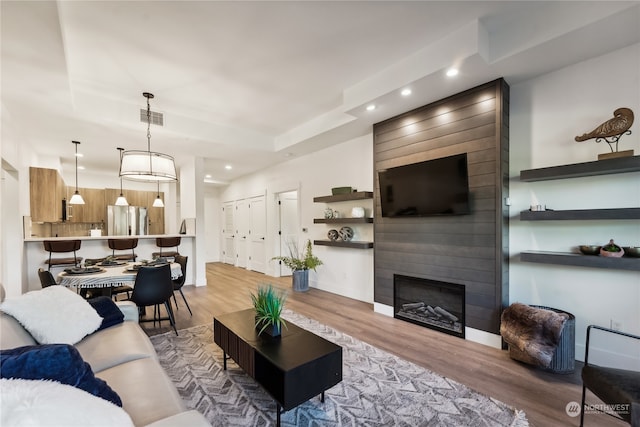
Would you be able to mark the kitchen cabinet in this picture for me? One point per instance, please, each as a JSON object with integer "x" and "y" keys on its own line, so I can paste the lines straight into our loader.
{"x": 46, "y": 191}
{"x": 578, "y": 170}
{"x": 94, "y": 209}
{"x": 359, "y": 195}
{"x": 155, "y": 215}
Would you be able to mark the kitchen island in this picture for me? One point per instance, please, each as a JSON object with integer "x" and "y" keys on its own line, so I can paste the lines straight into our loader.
{"x": 97, "y": 247}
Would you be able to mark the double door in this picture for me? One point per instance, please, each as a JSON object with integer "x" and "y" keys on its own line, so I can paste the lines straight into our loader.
{"x": 244, "y": 233}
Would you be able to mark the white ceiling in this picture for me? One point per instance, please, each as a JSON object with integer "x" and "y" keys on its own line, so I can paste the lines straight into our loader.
{"x": 253, "y": 83}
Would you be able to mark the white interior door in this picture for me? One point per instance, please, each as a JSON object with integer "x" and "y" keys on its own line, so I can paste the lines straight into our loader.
{"x": 289, "y": 225}
{"x": 257, "y": 234}
{"x": 228, "y": 234}
{"x": 241, "y": 221}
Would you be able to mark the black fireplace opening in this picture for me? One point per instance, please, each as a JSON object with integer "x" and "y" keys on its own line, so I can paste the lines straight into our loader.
{"x": 430, "y": 303}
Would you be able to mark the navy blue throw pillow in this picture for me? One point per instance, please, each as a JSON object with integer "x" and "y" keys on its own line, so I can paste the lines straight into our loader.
{"x": 108, "y": 310}
{"x": 57, "y": 362}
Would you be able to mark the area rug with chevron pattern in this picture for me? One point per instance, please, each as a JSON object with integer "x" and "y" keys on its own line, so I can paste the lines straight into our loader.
{"x": 377, "y": 389}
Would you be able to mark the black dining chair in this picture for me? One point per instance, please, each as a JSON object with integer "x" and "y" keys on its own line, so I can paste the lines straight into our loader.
{"x": 153, "y": 287}
{"x": 62, "y": 246}
{"x": 179, "y": 282}
{"x": 46, "y": 278}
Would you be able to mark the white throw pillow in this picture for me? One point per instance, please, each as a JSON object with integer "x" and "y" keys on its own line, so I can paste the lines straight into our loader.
{"x": 49, "y": 403}
{"x": 53, "y": 315}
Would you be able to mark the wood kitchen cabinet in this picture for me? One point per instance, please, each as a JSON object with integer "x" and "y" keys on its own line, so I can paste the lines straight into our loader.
{"x": 46, "y": 191}
{"x": 156, "y": 215}
{"x": 94, "y": 209}
{"x": 136, "y": 197}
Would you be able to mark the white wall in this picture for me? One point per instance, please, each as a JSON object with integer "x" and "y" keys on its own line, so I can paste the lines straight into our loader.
{"x": 345, "y": 271}
{"x": 546, "y": 114}
{"x": 15, "y": 183}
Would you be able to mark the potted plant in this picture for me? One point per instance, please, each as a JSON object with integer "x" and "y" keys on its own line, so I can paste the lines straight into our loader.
{"x": 300, "y": 264}
{"x": 268, "y": 304}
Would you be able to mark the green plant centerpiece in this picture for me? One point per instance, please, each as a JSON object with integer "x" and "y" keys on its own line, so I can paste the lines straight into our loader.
{"x": 268, "y": 303}
{"x": 300, "y": 263}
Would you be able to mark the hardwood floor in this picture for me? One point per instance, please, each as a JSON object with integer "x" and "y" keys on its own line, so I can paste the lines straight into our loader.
{"x": 542, "y": 395}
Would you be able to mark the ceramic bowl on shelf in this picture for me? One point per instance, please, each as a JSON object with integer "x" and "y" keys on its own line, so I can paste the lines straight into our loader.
{"x": 632, "y": 251}
{"x": 611, "y": 250}
{"x": 590, "y": 249}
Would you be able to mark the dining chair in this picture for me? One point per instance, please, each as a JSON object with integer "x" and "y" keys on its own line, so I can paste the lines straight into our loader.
{"x": 126, "y": 244}
{"x": 46, "y": 278}
{"x": 615, "y": 385}
{"x": 123, "y": 245}
{"x": 167, "y": 242}
{"x": 179, "y": 282}
{"x": 62, "y": 246}
{"x": 153, "y": 287}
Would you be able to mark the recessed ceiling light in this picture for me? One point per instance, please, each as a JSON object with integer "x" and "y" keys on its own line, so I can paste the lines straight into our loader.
{"x": 405, "y": 92}
{"x": 371, "y": 107}
{"x": 81, "y": 168}
{"x": 79, "y": 155}
{"x": 228, "y": 167}
{"x": 207, "y": 176}
{"x": 451, "y": 72}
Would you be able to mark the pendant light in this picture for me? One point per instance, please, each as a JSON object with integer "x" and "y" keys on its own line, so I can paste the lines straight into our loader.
{"x": 158, "y": 203}
{"x": 76, "y": 199}
{"x": 121, "y": 200}
{"x": 148, "y": 165}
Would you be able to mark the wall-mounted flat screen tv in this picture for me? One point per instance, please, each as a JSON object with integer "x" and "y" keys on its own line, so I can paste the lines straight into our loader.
{"x": 430, "y": 188}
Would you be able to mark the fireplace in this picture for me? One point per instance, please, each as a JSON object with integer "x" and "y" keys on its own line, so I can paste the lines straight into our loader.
{"x": 430, "y": 303}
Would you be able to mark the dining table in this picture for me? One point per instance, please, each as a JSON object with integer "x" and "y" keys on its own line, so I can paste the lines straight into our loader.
{"x": 108, "y": 275}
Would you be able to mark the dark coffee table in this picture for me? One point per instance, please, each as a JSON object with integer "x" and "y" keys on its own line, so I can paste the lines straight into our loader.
{"x": 292, "y": 368}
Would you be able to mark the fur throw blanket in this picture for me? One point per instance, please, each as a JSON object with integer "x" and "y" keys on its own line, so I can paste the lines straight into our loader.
{"x": 532, "y": 333}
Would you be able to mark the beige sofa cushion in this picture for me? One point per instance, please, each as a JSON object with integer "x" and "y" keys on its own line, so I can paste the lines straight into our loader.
{"x": 12, "y": 334}
{"x": 147, "y": 393}
{"x": 117, "y": 344}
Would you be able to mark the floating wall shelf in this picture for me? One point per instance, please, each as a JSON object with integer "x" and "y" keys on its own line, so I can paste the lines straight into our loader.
{"x": 343, "y": 244}
{"x": 343, "y": 220}
{"x": 576, "y": 170}
{"x": 579, "y": 260}
{"x": 358, "y": 195}
{"x": 581, "y": 214}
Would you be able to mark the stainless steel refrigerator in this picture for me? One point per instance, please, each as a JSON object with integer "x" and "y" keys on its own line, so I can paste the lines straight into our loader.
{"x": 127, "y": 221}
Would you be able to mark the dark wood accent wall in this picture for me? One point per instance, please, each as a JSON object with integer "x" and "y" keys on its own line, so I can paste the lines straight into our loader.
{"x": 471, "y": 250}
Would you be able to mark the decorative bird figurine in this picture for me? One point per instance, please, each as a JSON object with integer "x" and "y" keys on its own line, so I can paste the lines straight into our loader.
{"x": 612, "y": 129}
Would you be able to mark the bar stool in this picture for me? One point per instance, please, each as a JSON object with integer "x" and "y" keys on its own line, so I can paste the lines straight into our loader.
{"x": 167, "y": 242}
{"x": 123, "y": 245}
{"x": 61, "y": 246}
